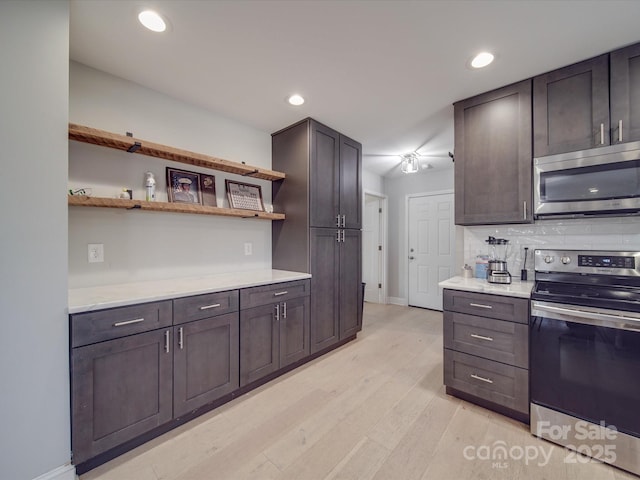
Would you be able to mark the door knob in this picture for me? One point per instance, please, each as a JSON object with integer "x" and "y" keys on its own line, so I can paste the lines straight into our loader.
{"x": 412, "y": 258}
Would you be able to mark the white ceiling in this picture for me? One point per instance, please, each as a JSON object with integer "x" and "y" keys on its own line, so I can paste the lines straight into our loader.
{"x": 383, "y": 72}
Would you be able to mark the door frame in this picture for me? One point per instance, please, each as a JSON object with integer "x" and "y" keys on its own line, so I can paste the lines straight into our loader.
{"x": 405, "y": 246}
{"x": 384, "y": 200}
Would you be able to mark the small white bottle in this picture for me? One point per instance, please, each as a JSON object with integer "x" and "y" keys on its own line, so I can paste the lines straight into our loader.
{"x": 150, "y": 186}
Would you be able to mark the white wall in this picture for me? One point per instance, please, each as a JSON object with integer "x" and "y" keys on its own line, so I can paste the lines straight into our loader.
{"x": 372, "y": 183}
{"x": 148, "y": 245}
{"x": 615, "y": 233}
{"x": 397, "y": 189}
{"x": 34, "y": 356}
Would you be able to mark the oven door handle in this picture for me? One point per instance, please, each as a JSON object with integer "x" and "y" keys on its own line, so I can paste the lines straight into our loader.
{"x": 598, "y": 319}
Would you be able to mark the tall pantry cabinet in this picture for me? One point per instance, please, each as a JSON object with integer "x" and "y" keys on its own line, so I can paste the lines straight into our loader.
{"x": 321, "y": 198}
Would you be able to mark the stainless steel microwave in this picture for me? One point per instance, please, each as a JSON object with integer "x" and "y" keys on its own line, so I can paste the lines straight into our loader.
{"x": 597, "y": 182}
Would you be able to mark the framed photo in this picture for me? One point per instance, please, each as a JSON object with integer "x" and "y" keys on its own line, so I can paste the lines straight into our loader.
{"x": 183, "y": 186}
{"x": 244, "y": 196}
{"x": 208, "y": 190}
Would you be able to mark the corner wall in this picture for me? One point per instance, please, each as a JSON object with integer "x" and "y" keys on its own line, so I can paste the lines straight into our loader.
{"x": 34, "y": 356}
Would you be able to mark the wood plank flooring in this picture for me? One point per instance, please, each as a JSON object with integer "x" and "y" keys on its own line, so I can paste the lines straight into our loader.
{"x": 374, "y": 409}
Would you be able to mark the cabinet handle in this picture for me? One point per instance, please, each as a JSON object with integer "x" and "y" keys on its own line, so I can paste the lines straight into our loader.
{"x": 479, "y": 305}
{"x": 181, "y": 338}
{"x": 284, "y": 310}
{"x": 338, "y": 236}
{"x": 342, "y": 236}
{"x": 483, "y": 379}
{"x": 277, "y": 316}
{"x": 481, "y": 337}
{"x": 524, "y": 210}
{"x": 620, "y": 131}
{"x": 166, "y": 341}
{"x": 344, "y": 221}
{"x": 278, "y": 294}
{"x": 207, "y": 307}
{"x": 602, "y": 134}
{"x": 338, "y": 220}
{"x": 128, "y": 322}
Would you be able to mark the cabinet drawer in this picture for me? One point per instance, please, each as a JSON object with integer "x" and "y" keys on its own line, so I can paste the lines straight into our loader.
{"x": 188, "y": 309}
{"x": 501, "y": 384}
{"x": 277, "y": 292}
{"x": 487, "y": 305}
{"x": 499, "y": 340}
{"x": 93, "y": 327}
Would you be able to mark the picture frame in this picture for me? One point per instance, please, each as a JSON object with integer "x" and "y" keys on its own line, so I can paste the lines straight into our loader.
{"x": 208, "y": 190}
{"x": 183, "y": 186}
{"x": 244, "y": 196}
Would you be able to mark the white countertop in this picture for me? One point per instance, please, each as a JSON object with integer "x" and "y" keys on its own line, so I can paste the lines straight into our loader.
{"x": 108, "y": 296}
{"x": 516, "y": 288}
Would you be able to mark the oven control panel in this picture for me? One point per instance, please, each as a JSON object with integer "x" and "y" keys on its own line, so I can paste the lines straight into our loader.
{"x": 588, "y": 262}
{"x": 606, "y": 261}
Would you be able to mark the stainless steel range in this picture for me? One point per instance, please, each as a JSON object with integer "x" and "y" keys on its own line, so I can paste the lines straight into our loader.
{"x": 585, "y": 353}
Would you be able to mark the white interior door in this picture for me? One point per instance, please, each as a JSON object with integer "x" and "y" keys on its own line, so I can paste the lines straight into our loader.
{"x": 372, "y": 261}
{"x": 431, "y": 248}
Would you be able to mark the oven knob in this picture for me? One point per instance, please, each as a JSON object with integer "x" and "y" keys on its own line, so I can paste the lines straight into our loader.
{"x": 565, "y": 260}
{"x": 548, "y": 259}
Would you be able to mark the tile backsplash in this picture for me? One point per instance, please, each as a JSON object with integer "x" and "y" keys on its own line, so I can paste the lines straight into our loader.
{"x": 611, "y": 233}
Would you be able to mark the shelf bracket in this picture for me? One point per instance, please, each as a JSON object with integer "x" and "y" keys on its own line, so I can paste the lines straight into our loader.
{"x": 135, "y": 147}
{"x": 135, "y": 207}
{"x": 248, "y": 174}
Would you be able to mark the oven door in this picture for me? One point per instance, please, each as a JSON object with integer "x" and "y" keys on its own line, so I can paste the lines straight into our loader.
{"x": 585, "y": 362}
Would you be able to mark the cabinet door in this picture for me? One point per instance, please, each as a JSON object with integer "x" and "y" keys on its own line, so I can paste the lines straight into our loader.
{"x": 350, "y": 283}
{"x": 120, "y": 389}
{"x": 571, "y": 108}
{"x": 259, "y": 343}
{"x": 625, "y": 94}
{"x": 324, "y": 288}
{"x": 350, "y": 183}
{"x": 324, "y": 172}
{"x": 294, "y": 330}
{"x": 493, "y": 157}
{"x": 206, "y": 361}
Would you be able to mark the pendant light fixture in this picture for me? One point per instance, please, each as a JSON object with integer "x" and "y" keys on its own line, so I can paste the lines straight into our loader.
{"x": 410, "y": 163}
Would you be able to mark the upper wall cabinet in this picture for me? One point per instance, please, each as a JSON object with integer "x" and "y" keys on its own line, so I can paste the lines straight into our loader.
{"x": 493, "y": 157}
{"x": 571, "y": 108}
{"x": 590, "y": 104}
{"x": 625, "y": 94}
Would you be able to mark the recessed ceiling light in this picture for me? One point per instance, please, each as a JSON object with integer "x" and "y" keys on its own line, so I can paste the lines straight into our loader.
{"x": 152, "y": 20}
{"x": 296, "y": 100}
{"x": 482, "y": 60}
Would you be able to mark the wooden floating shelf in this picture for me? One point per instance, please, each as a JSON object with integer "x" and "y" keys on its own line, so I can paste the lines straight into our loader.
{"x": 84, "y": 201}
{"x": 95, "y": 136}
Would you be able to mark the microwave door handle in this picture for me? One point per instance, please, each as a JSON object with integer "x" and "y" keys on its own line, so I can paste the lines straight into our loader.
{"x": 620, "y": 322}
{"x": 602, "y": 134}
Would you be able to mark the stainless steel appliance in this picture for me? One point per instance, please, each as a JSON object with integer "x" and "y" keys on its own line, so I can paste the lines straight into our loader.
{"x": 585, "y": 353}
{"x": 497, "y": 268}
{"x": 596, "y": 182}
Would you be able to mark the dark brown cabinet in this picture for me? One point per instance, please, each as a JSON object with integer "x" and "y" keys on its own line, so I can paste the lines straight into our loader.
{"x": 275, "y": 333}
{"x": 625, "y": 94}
{"x": 493, "y": 157}
{"x": 121, "y": 387}
{"x": 571, "y": 108}
{"x": 322, "y": 201}
{"x": 486, "y": 350}
{"x": 205, "y": 361}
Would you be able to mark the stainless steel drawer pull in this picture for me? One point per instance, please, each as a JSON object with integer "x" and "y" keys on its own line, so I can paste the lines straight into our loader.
{"x": 344, "y": 221}
{"x": 277, "y": 294}
{"x": 602, "y": 134}
{"x": 166, "y": 341}
{"x": 207, "y": 307}
{"x": 181, "y": 338}
{"x": 338, "y": 220}
{"x": 482, "y": 379}
{"x": 277, "y": 315}
{"x": 284, "y": 309}
{"x": 128, "y": 322}
{"x": 482, "y": 337}
{"x": 479, "y": 305}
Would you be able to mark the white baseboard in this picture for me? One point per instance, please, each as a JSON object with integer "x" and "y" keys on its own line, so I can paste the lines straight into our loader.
{"x": 65, "y": 472}
{"x": 398, "y": 301}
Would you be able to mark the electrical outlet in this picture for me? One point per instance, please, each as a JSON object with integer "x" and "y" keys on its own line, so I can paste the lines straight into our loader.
{"x": 248, "y": 248}
{"x": 96, "y": 252}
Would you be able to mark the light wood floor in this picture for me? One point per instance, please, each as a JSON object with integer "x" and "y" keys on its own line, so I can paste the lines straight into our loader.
{"x": 373, "y": 409}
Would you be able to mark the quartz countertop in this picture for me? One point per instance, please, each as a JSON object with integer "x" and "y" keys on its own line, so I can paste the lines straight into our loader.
{"x": 108, "y": 296}
{"x": 516, "y": 288}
